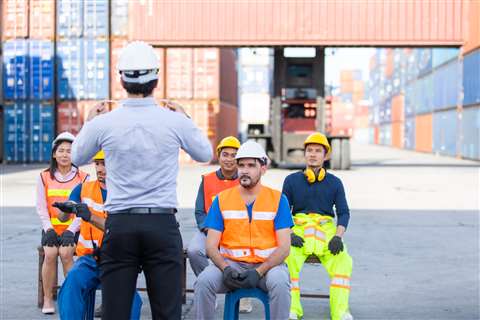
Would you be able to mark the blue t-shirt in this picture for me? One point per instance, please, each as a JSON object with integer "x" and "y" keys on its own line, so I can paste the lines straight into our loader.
{"x": 75, "y": 195}
{"x": 282, "y": 220}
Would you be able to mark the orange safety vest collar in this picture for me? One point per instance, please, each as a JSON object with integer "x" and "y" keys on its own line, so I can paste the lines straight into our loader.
{"x": 213, "y": 185}
{"x": 91, "y": 236}
{"x": 57, "y": 191}
{"x": 244, "y": 240}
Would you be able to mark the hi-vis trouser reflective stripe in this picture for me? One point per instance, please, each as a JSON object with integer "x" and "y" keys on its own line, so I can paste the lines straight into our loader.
{"x": 317, "y": 231}
{"x": 56, "y": 222}
{"x": 58, "y": 192}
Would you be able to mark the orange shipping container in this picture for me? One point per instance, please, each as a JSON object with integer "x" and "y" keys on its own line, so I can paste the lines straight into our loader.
{"x": 69, "y": 117}
{"x": 389, "y": 64}
{"x": 376, "y": 135}
{"x": 256, "y": 23}
{"x": 14, "y": 19}
{"x": 116, "y": 87}
{"x": 473, "y": 34}
{"x": 398, "y": 134}
{"x": 398, "y": 106}
{"x": 423, "y": 133}
{"x": 42, "y": 19}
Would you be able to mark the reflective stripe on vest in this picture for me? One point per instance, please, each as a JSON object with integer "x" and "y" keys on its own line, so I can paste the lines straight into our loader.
{"x": 244, "y": 240}
{"x": 212, "y": 186}
{"x": 56, "y": 191}
{"x": 92, "y": 196}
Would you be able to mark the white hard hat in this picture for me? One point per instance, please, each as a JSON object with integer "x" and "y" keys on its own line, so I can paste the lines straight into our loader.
{"x": 138, "y": 63}
{"x": 252, "y": 149}
{"x": 64, "y": 136}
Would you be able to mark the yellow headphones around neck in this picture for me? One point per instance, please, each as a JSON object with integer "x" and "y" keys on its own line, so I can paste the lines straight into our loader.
{"x": 311, "y": 177}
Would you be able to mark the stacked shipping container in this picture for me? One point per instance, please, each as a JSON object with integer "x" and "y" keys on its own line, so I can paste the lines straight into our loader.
{"x": 28, "y": 80}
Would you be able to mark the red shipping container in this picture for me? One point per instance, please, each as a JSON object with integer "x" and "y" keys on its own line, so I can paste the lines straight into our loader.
{"x": 423, "y": 133}
{"x": 117, "y": 91}
{"x": 69, "y": 117}
{"x": 227, "y": 121}
{"x": 179, "y": 76}
{"x": 376, "y": 135}
{"x": 42, "y": 19}
{"x": 206, "y": 73}
{"x": 389, "y": 63}
{"x": 398, "y": 106}
{"x": 398, "y": 130}
{"x": 14, "y": 19}
{"x": 228, "y": 77}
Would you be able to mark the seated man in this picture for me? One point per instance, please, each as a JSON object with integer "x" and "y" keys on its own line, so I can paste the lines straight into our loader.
{"x": 84, "y": 275}
{"x": 248, "y": 239}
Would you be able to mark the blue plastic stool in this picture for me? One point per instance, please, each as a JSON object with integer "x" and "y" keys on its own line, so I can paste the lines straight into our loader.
{"x": 232, "y": 300}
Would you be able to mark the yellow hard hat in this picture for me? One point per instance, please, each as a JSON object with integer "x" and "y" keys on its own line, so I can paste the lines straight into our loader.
{"x": 228, "y": 142}
{"x": 318, "y": 138}
{"x": 99, "y": 156}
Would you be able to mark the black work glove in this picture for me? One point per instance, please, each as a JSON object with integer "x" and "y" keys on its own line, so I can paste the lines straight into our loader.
{"x": 50, "y": 238}
{"x": 335, "y": 245}
{"x": 230, "y": 278}
{"x": 249, "y": 279}
{"x": 67, "y": 239}
{"x": 296, "y": 240}
{"x": 82, "y": 211}
{"x": 67, "y": 207}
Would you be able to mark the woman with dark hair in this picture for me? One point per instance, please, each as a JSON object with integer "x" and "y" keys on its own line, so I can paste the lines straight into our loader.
{"x": 58, "y": 238}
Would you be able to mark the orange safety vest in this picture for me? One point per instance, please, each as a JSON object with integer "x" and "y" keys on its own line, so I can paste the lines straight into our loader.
{"x": 212, "y": 186}
{"x": 57, "y": 191}
{"x": 91, "y": 195}
{"x": 244, "y": 240}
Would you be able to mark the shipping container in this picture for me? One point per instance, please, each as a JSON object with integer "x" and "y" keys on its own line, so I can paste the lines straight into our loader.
{"x": 473, "y": 33}
{"x": 119, "y": 18}
{"x": 389, "y": 63}
{"x": 447, "y": 84}
{"x": 41, "y": 132}
{"x": 443, "y": 55}
{"x": 471, "y": 78}
{"x": 385, "y": 135}
{"x": 298, "y": 22}
{"x": 83, "y": 69}
{"x": 470, "y": 147}
{"x": 409, "y": 134}
{"x": 179, "y": 73}
{"x": 411, "y": 91}
{"x": 69, "y": 117}
{"x": 70, "y": 18}
{"x": 424, "y": 61}
{"x": 423, "y": 132}
{"x": 206, "y": 73}
{"x": 424, "y": 95}
{"x": 42, "y": 19}
{"x": 15, "y": 69}
{"x": 41, "y": 70}
{"x": 95, "y": 19}
{"x": 227, "y": 121}
{"x": 445, "y": 133}
{"x": 14, "y": 17}
{"x": 15, "y": 132}
{"x": 228, "y": 76}
{"x": 398, "y": 131}
{"x": 255, "y": 79}
{"x": 398, "y": 106}
{"x": 255, "y": 57}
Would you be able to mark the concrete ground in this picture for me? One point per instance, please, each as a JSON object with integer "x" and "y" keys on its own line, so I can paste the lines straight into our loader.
{"x": 413, "y": 236}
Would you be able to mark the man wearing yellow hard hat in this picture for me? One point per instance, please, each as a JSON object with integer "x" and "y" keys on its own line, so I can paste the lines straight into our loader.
{"x": 212, "y": 184}
{"x": 312, "y": 194}
{"x": 86, "y": 202}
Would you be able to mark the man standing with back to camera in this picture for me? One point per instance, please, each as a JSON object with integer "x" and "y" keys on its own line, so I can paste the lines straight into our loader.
{"x": 141, "y": 143}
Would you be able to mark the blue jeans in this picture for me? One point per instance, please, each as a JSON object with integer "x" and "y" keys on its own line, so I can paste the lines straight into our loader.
{"x": 81, "y": 279}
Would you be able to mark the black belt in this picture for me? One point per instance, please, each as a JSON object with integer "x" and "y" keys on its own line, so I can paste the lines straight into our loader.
{"x": 154, "y": 210}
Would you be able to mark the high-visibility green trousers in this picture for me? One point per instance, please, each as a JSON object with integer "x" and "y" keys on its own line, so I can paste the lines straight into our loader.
{"x": 317, "y": 230}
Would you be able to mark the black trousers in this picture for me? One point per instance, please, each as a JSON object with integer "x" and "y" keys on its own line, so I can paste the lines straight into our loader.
{"x": 148, "y": 242}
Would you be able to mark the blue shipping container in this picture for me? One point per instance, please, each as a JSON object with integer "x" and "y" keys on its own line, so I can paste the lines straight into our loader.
{"x": 28, "y": 132}
{"x": 447, "y": 83}
{"x": 41, "y": 70}
{"x": 69, "y": 18}
{"x": 15, "y": 69}
{"x": 471, "y": 78}
{"x": 471, "y": 133}
{"x": 443, "y": 55}
{"x": 423, "y": 58}
{"x": 83, "y": 69}
{"x": 424, "y": 95}
{"x": 95, "y": 19}
{"x": 445, "y": 132}
{"x": 409, "y": 134}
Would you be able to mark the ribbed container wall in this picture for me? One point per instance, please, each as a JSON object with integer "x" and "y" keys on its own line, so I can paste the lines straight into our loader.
{"x": 470, "y": 147}
{"x": 445, "y": 135}
{"x": 42, "y": 19}
{"x": 15, "y": 69}
{"x": 471, "y": 78}
{"x": 15, "y": 19}
{"x": 41, "y": 62}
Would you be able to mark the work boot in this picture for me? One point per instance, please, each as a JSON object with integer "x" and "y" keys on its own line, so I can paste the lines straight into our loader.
{"x": 347, "y": 316}
{"x": 98, "y": 312}
{"x": 245, "y": 305}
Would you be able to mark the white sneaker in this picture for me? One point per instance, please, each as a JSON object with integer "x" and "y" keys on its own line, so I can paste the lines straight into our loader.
{"x": 293, "y": 316}
{"x": 347, "y": 316}
{"x": 245, "y": 305}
